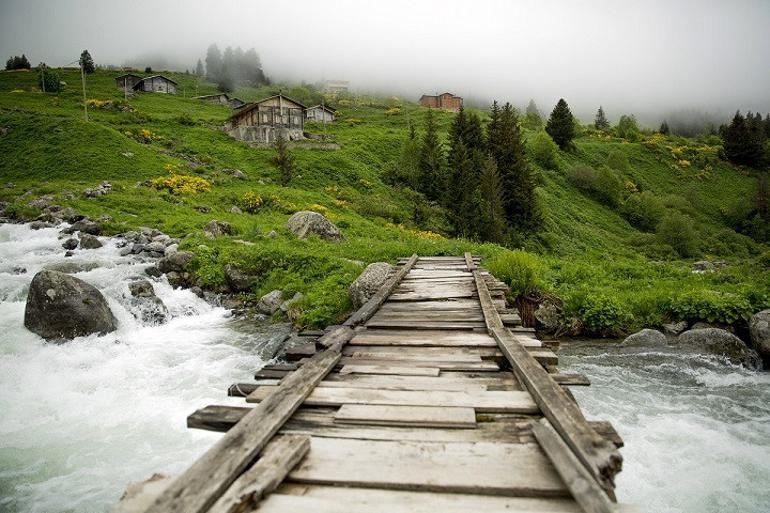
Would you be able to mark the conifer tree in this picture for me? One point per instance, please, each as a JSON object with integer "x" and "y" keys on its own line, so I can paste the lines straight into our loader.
{"x": 506, "y": 146}
{"x": 199, "y": 68}
{"x": 744, "y": 139}
{"x": 492, "y": 214}
{"x": 213, "y": 63}
{"x": 561, "y": 125}
{"x": 767, "y": 125}
{"x": 601, "y": 122}
{"x": 283, "y": 160}
{"x": 431, "y": 182}
{"x": 664, "y": 128}
{"x": 462, "y": 191}
{"x": 86, "y": 62}
{"x": 532, "y": 109}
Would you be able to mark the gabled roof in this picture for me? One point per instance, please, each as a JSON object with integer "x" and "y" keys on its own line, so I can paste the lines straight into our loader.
{"x": 159, "y": 76}
{"x": 127, "y": 75}
{"x": 324, "y": 107}
{"x": 217, "y": 95}
{"x": 253, "y": 105}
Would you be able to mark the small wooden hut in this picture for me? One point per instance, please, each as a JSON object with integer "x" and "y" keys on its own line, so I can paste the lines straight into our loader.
{"x": 127, "y": 81}
{"x": 320, "y": 113}
{"x": 264, "y": 120}
{"x": 156, "y": 84}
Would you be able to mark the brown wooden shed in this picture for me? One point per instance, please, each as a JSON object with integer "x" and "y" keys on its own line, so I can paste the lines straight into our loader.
{"x": 265, "y": 119}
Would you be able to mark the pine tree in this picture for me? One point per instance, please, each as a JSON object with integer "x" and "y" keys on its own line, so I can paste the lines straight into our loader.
{"x": 767, "y": 125}
{"x": 213, "y": 63}
{"x": 664, "y": 128}
{"x": 199, "y": 68}
{"x": 432, "y": 180}
{"x": 561, "y": 125}
{"x": 462, "y": 191}
{"x": 744, "y": 139}
{"x": 532, "y": 109}
{"x": 506, "y": 145}
{"x": 86, "y": 62}
{"x": 601, "y": 122}
{"x": 492, "y": 214}
{"x": 283, "y": 160}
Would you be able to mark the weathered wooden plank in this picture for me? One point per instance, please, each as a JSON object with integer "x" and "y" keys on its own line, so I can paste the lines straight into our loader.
{"x": 419, "y": 416}
{"x": 502, "y": 401}
{"x": 480, "y": 366}
{"x": 469, "y": 262}
{"x": 544, "y": 356}
{"x": 367, "y": 310}
{"x": 402, "y": 382}
{"x": 386, "y": 369}
{"x": 571, "y": 379}
{"x": 195, "y": 490}
{"x": 582, "y": 485}
{"x": 406, "y": 354}
{"x": 372, "y": 337}
{"x": 279, "y": 456}
{"x": 599, "y": 456}
{"x": 298, "y": 498}
{"x": 423, "y": 325}
{"x": 271, "y": 374}
{"x": 366, "y": 351}
{"x": 426, "y": 295}
{"x": 491, "y": 468}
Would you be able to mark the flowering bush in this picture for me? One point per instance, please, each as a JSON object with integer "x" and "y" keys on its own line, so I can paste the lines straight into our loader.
{"x": 180, "y": 184}
{"x": 251, "y": 202}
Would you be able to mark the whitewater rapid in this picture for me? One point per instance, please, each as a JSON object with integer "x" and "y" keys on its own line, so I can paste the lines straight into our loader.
{"x": 81, "y": 420}
{"x": 696, "y": 429}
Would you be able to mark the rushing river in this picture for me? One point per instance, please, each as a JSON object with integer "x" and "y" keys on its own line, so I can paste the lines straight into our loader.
{"x": 697, "y": 431}
{"x": 78, "y": 421}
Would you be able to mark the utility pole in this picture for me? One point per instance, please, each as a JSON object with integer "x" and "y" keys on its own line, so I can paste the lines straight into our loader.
{"x": 85, "y": 102}
{"x": 42, "y": 76}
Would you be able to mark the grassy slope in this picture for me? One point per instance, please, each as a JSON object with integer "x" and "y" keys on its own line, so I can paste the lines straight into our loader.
{"x": 49, "y": 148}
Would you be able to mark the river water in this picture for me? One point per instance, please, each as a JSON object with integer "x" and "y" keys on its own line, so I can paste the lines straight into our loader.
{"x": 697, "y": 430}
{"x": 78, "y": 421}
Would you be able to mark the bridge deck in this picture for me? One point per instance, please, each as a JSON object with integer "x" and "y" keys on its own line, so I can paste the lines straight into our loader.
{"x": 432, "y": 398}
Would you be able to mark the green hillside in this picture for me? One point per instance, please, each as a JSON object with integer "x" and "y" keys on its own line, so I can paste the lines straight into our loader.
{"x": 611, "y": 276}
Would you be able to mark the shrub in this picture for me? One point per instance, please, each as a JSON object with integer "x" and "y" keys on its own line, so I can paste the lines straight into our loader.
{"x": 710, "y": 306}
{"x": 582, "y": 176}
{"x": 644, "y": 211}
{"x": 679, "y": 203}
{"x": 544, "y": 151}
{"x": 678, "y": 231}
{"x": 618, "y": 161}
{"x": 597, "y": 314}
{"x": 180, "y": 184}
{"x": 49, "y": 80}
{"x": 627, "y": 128}
{"x": 522, "y": 271}
{"x": 608, "y": 186}
{"x": 728, "y": 243}
{"x": 251, "y": 202}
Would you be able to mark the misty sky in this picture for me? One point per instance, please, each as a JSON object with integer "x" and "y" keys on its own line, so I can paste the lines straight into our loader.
{"x": 644, "y": 57}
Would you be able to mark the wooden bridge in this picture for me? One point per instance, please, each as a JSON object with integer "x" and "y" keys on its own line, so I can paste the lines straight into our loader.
{"x": 430, "y": 398}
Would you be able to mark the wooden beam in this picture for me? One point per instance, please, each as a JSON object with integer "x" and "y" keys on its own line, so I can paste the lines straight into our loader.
{"x": 280, "y": 456}
{"x": 581, "y": 484}
{"x": 573, "y": 380}
{"x": 469, "y": 263}
{"x": 370, "y": 307}
{"x": 199, "y": 487}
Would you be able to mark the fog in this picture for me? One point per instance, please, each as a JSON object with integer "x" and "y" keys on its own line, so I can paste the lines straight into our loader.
{"x": 646, "y": 58}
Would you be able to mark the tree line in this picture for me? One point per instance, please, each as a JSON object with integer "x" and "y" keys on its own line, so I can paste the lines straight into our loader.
{"x": 231, "y": 68}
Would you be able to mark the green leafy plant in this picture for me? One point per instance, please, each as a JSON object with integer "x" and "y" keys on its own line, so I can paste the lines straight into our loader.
{"x": 522, "y": 271}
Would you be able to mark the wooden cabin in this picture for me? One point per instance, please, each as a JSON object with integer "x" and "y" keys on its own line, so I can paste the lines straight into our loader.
{"x": 222, "y": 99}
{"x": 127, "y": 81}
{"x": 442, "y": 101}
{"x": 156, "y": 84}
{"x": 264, "y": 120}
{"x": 320, "y": 113}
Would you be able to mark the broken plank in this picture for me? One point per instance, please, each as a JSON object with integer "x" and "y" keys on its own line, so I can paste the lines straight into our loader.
{"x": 281, "y": 455}
{"x": 418, "y": 416}
{"x": 490, "y": 401}
{"x": 386, "y": 369}
{"x": 486, "y": 468}
{"x": 571, "y": 379}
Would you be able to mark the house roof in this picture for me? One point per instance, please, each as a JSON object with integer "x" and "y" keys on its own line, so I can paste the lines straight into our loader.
{"x": 253, "y": 105}
{"x": 217, "y": 95}
{"x": 127, "y": 75}
{"x": 324, "y": 107}
{"x": 437, "y": 95}
{"x": 160, "y": 76}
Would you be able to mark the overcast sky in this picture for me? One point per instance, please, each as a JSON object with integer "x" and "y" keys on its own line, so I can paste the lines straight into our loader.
{"x": 635, "y": 56}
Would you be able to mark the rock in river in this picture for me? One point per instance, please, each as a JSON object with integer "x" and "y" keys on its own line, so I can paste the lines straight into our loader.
{"x": 62, "y": 307}
{"x": 759, "y": 327}
{"x": 721, "y": 342}
{"x": 646, "y": 337}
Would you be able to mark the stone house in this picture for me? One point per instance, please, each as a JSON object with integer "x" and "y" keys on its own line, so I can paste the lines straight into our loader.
{"x": 264, "y": 120}
{"x": 442, "y": 101}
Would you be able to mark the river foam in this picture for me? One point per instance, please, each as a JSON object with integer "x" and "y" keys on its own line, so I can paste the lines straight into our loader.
{"x": 79, "y": 421}
{"x": 697, "y": 430}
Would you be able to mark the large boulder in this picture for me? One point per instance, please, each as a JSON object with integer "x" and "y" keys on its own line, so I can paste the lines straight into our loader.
{"x": 88, "y": 241}
{"x": 238, "y": 280}
{"x": 721, "y": 342}
{"x": 646, "y": 337}
{"x": 759, "y": 329}
{"x": 216, "y": 228}
{"x": 305, "y": 223}
{"x": 548, "y": 316}
{"x": 368, "y": 282}
{"x": 176, "y": 262}
{"x": 61, "y": 307}
{"x": 270, "y": 302}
